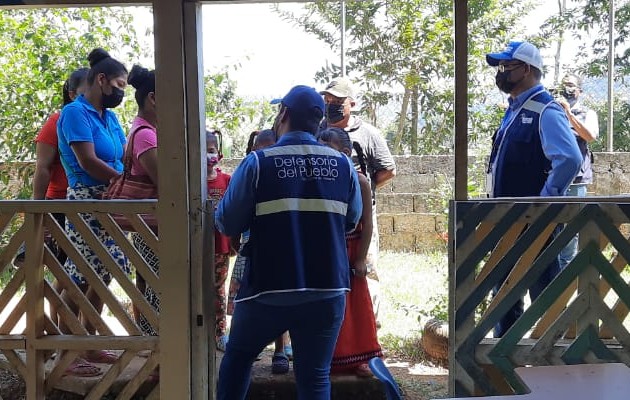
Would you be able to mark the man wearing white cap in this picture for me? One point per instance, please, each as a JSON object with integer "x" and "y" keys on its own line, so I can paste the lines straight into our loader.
{"x": 339, "y": 97}
{"x": 534, "y": 152}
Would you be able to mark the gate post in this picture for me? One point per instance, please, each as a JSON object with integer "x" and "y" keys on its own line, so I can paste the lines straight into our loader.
{"x": 201, "y": 214}
{"x": 34, "y": 278}
{"x": 179, "y": 204}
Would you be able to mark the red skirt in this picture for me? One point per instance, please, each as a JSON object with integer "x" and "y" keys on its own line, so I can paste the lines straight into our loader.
{"x": 357, "y": 342}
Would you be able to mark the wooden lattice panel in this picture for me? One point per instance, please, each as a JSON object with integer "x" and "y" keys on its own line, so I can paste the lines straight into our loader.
{"x": 578, "y": 318}
{"x": 30, "y": 334}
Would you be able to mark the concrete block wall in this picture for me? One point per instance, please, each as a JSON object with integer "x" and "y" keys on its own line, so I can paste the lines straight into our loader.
{"x": 611, "y": 174}
{"x": 412, "y": 207}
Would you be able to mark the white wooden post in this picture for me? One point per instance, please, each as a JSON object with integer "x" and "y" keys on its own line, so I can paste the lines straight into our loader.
{"x": 202, "y": 243}
{"x": 173, "y": 206}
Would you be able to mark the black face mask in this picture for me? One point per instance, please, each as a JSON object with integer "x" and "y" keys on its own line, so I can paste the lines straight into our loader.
{"x": 569, "y": 93}
{"x": 334, "y": 112}
{"x": 113, "y": 99}
{"x": 502, "y": 81}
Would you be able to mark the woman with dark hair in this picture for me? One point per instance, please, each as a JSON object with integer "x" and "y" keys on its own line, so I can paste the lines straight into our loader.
{"x": 357, "y": 341}
{"x": 49, "y": 180}
{"x": 91, "y": 145}
{"x": 143, "y": 146}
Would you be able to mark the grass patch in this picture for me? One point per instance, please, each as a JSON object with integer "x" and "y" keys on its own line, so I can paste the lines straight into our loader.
{"x": 411, "y": 286}
{"x": 406, "y": 347}
{"x": 420, "y": 389}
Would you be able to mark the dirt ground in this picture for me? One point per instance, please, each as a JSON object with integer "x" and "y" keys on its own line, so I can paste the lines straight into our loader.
{"x": 423, "y": 381}
{"x": 418, "y": 381}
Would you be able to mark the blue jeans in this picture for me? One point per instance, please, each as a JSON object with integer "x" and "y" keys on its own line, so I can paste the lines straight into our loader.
{"x": 569, "y": 252}
{"x": 313, "y": 326}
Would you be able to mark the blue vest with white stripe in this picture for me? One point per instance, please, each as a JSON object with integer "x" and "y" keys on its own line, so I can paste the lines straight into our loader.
{"x": 521, "y": 166}
{"x": 297, "y": 240}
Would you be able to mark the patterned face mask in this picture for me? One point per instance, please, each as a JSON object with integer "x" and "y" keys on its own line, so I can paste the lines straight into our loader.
{"x": 569, "y": 92}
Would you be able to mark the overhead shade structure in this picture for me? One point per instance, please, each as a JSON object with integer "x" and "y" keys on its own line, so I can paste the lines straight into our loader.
{"x": 186, "y": 314}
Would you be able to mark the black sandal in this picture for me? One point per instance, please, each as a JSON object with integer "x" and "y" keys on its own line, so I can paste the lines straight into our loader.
{"x": 279, "y": 363}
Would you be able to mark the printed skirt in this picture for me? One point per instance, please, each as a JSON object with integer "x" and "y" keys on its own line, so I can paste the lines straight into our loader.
{"x": 150, "y": 294}
{"x": 82, "y": 192}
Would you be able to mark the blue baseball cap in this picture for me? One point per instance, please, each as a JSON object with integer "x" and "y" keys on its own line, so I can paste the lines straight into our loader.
{"x": 515, "y": 50}
{"x": 302, "y": 99}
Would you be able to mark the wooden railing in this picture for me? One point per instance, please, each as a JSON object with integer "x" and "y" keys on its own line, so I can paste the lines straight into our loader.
{"x": 582, "y": 315}
{"x": 29, "y": 293}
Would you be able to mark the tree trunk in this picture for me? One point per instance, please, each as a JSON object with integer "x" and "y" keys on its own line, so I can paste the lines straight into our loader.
{"x": 372, "y": 114}
{"x": 402, "y": 121}
{"x": 562, "y": 8}
{"x": 415, "y": 115}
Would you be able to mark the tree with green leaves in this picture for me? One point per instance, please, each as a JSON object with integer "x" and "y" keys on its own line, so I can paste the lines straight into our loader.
{"x": 401, "y": 52}
{"x": 39, "y": 48}
{"x": 230, "y": 113}
{"x": 587, "y": 22}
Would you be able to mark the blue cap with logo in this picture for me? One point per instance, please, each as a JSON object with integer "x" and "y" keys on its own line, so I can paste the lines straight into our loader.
{"x": 515, "y": 50}
{"x": 302, "y": 99}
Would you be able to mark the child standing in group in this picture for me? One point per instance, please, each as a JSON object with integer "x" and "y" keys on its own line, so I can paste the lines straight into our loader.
{"x": 257, "y": 140}
{"x": 283, "y": 352}
{"x": 357, "y": 342}
{"x": 217, "y": 185}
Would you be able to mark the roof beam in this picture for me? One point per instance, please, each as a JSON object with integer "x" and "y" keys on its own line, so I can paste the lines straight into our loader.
{"x": 112, "y": 3}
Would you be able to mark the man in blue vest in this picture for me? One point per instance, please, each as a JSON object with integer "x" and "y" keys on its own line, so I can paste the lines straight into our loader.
{"x": 298, "y": 198}
{"x": 534, "y": 152}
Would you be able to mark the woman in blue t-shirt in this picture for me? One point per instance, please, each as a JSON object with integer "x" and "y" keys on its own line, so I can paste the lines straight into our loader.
{"x": 91, "y": 146}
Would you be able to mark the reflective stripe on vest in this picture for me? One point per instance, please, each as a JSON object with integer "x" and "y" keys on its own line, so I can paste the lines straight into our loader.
{"x": 301, "y": 150}
{"x": 295, "y": 204}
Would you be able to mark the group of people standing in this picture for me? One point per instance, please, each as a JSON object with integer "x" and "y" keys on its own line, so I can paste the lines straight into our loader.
{"x": 308, "y": 186}
{"x": 305, "y": 196}
{"x": 83, "y": 147}
{"x": 299, "y": 210}
{"x": 79, "y": 150}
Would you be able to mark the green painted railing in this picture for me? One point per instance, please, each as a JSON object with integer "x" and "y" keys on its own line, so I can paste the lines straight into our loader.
{"x": 582, "y": 315}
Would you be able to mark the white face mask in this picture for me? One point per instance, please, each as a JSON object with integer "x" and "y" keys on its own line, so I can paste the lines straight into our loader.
{"x": 212, "y": 158}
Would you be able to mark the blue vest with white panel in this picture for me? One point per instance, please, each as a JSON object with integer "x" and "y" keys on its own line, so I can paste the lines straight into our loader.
{"x": 297, "y": 239}
{"x": 521, "y": 166}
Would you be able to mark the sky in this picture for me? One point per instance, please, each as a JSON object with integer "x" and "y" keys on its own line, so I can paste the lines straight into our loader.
{"x": 273, "y": 55}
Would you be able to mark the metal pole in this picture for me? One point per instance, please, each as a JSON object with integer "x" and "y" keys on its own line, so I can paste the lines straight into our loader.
{"x": 343, "y": 38}
{"x": 611, "y": 75}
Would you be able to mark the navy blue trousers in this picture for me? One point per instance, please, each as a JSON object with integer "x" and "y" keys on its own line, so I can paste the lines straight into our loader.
{"x": 313, "y": 327}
